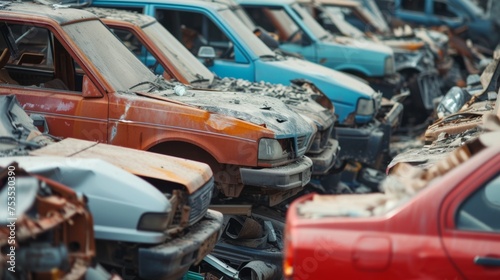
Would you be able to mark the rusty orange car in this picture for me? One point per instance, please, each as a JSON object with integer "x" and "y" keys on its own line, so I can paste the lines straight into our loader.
{"x": 66, "y": 65}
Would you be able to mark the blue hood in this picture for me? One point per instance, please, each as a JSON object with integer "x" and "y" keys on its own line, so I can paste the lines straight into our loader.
{"x": 343, "y": 90}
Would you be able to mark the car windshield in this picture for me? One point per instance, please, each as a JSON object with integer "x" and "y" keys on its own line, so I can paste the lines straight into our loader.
{"x": 245, "y": 34}
{"x": 113, "y": 60}
{"x": 370, "y": 7}
{"x": 185, "y": 62}
{"x": 318, "y": 31}
{"x": 337, "y": 17}
{"x": 475, "y": 9}
{"x": 243, "y": 16}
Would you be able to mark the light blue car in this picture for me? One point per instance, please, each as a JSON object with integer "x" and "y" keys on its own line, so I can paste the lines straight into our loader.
{"x": 364, "y": 124}
{"x": 298, "y": 32}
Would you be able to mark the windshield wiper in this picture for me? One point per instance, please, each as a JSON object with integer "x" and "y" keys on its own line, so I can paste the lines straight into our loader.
{"x": 324, "y": 37}
{"x": 199, "y": 79}
{"x": 159, "y": 84}
{"x": 268, "y": 56}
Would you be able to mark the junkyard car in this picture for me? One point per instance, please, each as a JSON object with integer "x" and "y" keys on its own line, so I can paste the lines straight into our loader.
{"x": 439, "y": 223}
{"x": 414, "y": 60}
{"x": 163, "y": 226}
{"x": 298, "y": 32}
{"x": 96, "y": 89}
{"x": 452, "y": 13}
{"x": 365, "y": 122}
{"x": 142, "y": 33}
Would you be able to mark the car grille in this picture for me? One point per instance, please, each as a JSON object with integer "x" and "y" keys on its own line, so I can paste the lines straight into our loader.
{"x": 301, "y": 142}
{"x": 429, "y": 89}
{"x": 199, "y": 201}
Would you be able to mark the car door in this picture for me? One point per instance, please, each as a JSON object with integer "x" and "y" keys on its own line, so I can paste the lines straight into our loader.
{"x": 470, "y": 223}
{"x": 196, "y": 29}
{"x": 43, "y": 75}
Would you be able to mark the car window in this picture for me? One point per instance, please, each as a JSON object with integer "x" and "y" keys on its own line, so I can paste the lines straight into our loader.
{"x": 195, "y": 30}
{"x": 481, "y": 210}
{"x": 278, "y": 22}
{"x": 441, "y": 8}
{"x": 136, "y": 47}
{"x": 30, "y": 56}
{"x": 413, "y": 5}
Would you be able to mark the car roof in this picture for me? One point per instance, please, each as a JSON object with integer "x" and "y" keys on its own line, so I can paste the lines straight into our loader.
{"x": 264, "y": 2}
{"x": 127, "y": 16}
{"x": 214, "y": 4}
{"x": 61, "y": 15}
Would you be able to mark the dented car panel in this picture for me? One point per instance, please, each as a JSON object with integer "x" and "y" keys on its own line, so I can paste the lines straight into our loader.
{"x": 455, "y": 233}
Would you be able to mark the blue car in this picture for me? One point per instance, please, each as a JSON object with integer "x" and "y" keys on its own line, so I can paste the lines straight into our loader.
{"x": 480, "y": 28}
{"x": 298, "y": 32}
{"x": 365, "y": 120}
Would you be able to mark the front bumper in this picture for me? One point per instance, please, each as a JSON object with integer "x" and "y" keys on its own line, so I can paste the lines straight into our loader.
{"x": 293, "y": 175}
{"x": 369, "y": 144}
{"x": 172, "y": 259}
{"x": 366, "y": 144}
{"x": 323, "y": 162}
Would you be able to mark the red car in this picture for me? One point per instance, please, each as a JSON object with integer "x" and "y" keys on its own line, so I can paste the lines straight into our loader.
{"x": 439, "y": 223}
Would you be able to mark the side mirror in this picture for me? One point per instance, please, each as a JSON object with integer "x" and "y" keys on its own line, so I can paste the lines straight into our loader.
{"x": 89, "y": 89}
{"x": 208, "y": 54}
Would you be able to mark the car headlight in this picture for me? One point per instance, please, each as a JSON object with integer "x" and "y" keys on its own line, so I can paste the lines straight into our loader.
{"x": 389, "y": 65}
{"x": 154, "y": 222}
{"x": 273, "y": 149}
{"x": 366, "y": 107}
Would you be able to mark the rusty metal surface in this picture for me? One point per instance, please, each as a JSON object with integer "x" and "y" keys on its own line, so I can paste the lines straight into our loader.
{"x": 245, "y": 210}
{"x": 60, "y": 217}
{"x": 188, "y": 173}
{"x": 19, "y": 9}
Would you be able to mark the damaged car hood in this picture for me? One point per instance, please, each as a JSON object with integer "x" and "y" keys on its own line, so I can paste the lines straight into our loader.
{"x": 260, "y": 110}
{"x": 299, "y": 98}
{"x": 188, "y": 173}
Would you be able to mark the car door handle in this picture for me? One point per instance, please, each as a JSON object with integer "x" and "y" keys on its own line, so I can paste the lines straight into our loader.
{"x": 487, "y": 261}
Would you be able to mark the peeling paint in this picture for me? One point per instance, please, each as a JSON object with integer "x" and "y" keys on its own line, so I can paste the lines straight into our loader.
{"x": 64, "y": 107}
